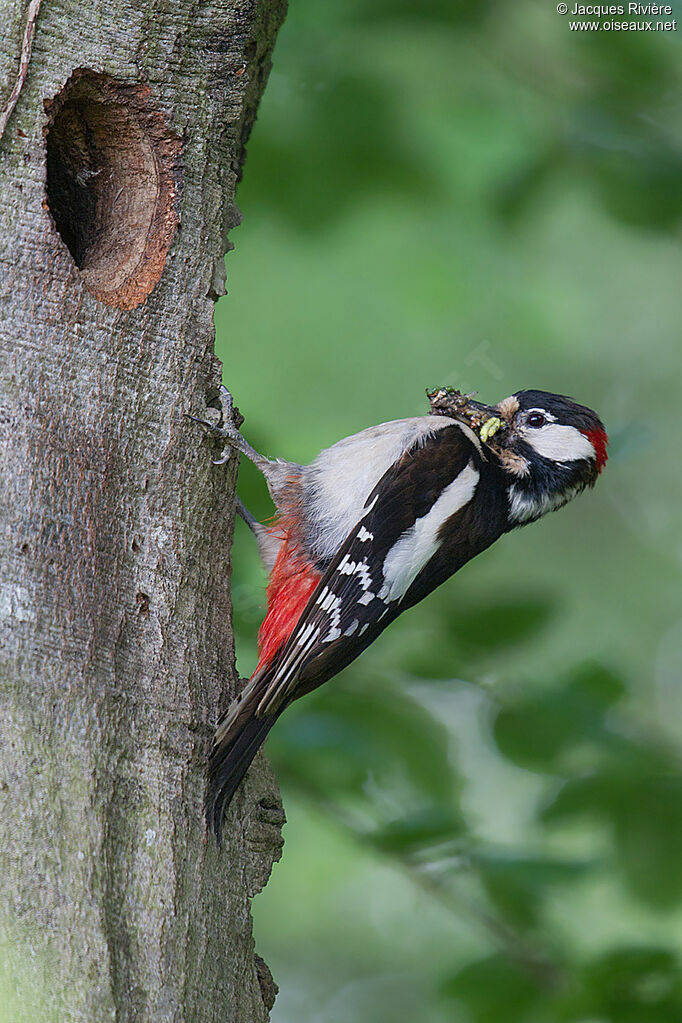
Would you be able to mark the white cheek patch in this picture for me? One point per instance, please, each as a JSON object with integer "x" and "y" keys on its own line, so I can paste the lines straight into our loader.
{"x": 419, "y": 543}
{"x": 559, "y": 443}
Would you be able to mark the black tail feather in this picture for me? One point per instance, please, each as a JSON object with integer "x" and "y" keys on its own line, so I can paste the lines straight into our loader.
{"x": 228, "y": 764}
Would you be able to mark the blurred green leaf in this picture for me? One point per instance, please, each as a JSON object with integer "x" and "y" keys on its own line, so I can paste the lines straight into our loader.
{"x": 644, "y": 815}
{"x": 453, "y": 637}
{"x": 342, "y": 737}
{"x": 591, "y": 794}
{"x": 535, "y": 731}
{"x": 417, "y": 833}
{"x": 629, "y": 985}
{"x": 626, "y": 69}
{"x": 496, "y": 989}
{"x": 517, "y": 884}
{"x": 641, "y": 189}
{"x": 647, "y": 825}
{"x": 487, "y": 628}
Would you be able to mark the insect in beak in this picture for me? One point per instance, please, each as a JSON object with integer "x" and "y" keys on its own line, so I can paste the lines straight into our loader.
{"x": 490, "y": 428}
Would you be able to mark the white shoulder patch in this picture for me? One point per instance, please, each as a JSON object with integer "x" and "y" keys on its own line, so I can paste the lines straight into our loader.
{"x": 419, "y": 543}
{"x": 339, "y": 481}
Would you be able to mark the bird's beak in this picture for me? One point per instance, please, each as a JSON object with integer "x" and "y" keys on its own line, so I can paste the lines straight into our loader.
{"x": 485, "y": 410}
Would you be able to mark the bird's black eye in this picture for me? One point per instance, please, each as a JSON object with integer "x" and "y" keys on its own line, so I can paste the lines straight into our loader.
{"x": 536, "y": 419}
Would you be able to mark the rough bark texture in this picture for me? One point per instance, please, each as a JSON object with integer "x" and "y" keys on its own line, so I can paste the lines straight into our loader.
{"x": 116, "y": 648}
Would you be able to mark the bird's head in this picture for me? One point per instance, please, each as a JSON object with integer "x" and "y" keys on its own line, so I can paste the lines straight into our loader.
{"x": 550, "y": 448}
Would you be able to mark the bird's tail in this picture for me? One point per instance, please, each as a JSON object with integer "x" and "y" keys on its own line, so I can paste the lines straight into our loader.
{"x": 238, "y": 738}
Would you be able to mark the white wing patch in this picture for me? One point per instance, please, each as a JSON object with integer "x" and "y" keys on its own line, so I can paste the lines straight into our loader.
{"x": 559, "y": 443}
{"x": 333, "y": 605}
{"x": 419, "y": 543}
{"x": 342, "y": 477}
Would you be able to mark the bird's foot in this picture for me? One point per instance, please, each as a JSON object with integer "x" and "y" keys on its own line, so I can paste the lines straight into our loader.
{"x": 226, "y": 427}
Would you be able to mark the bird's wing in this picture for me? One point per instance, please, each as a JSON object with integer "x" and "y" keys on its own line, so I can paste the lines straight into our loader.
{"x": 363, "y": 586}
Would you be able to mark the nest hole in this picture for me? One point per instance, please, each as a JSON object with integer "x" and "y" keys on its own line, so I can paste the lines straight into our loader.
{"x": 113, "y": 178}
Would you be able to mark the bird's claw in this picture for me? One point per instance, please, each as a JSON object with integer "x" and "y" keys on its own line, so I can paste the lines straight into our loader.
{"x": 225, "y": 456}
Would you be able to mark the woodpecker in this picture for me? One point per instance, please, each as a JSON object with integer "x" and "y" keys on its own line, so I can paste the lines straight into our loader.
{"x": 378, "y": 521}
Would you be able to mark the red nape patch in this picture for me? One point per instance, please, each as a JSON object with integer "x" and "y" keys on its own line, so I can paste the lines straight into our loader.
{"x": 292, "y": 581}
{"x": 598, "y": 439}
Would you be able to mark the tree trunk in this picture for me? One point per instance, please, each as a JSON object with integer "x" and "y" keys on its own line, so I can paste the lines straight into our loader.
{"x": 117, "y": 176}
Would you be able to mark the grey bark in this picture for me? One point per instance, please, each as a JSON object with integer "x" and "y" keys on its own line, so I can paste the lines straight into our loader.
{"x": 116, "y": 645}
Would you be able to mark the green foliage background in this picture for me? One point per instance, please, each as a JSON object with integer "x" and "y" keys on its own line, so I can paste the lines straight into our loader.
{"x": 485, "y": 810}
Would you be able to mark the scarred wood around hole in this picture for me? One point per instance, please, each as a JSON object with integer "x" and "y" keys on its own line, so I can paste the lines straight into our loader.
{"x": 113, "y": 183}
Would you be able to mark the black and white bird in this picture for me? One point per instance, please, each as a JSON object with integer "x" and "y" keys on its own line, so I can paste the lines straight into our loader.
{"x": 374, "y": 524}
